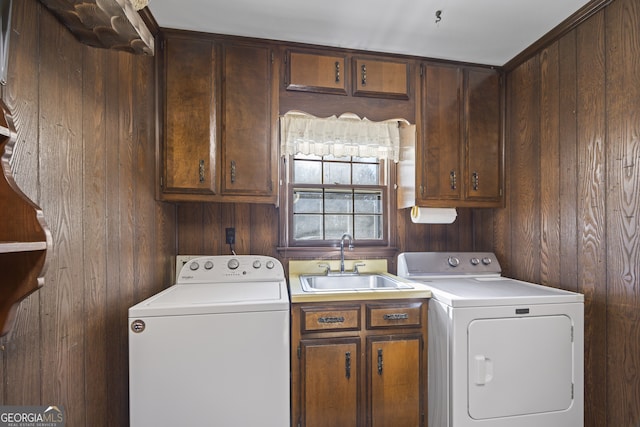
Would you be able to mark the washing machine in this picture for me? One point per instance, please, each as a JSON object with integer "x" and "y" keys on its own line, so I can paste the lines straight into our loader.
{"x": 502, "y": 352}
{"x": 213, "y": 349}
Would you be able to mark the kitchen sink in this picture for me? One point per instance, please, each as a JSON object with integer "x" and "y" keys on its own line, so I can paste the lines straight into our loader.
{"x": 350, "y": 282}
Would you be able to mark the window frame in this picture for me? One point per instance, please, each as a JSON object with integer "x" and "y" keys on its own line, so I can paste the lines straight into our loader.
{"x": 317, "y": 248}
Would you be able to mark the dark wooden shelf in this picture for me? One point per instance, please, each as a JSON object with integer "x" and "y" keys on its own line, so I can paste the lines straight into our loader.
{"x": 24, "y": 236}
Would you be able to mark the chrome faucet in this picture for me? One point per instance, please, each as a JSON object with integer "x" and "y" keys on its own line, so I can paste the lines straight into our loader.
{"x": 344, "y": 237}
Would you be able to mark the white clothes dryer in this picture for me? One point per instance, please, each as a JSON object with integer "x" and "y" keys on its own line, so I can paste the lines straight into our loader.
{"x": 502, "y": 352}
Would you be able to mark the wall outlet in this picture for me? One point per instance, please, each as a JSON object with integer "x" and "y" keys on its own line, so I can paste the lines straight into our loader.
{"x": 230, "y": 235}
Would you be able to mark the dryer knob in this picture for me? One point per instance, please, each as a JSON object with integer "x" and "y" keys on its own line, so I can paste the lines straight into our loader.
{"x": 233, "y": 264}
{"x": 453, "y": 261}
{"x": 270, "y": 264}
{"x": 475, "y": 261}
{"x": 486, "y": 260}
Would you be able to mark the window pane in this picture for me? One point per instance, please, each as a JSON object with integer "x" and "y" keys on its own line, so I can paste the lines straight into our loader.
{"x": 368, "y": 202}
{"x": 307, "y": 227}
{"x": 307, "y": 201}
{"x": 368, "y": 227}
{"x": 336, "y": 225}
{"x": 307, "y": 172}
{"x": 337, "y": 173}
{"x": 338, "y": 202}
{"x": 366, "y": 174}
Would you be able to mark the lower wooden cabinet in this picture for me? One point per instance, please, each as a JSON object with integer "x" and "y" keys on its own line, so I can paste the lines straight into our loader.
{"x": 359, "y": 364}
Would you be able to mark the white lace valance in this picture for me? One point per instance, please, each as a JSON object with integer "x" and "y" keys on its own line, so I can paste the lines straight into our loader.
{"x": 347, "y": 135}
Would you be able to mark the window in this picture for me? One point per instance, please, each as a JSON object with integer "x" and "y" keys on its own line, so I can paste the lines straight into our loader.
{"x": 338, "y": 178}
{"x": 331, "y": 196}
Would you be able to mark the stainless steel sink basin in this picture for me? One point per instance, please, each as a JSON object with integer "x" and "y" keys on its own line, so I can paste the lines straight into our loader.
{"x": 351, "y": 282}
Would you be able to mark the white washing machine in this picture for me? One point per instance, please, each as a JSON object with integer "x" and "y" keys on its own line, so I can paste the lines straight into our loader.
{"x": 213, "y": 349}
{"x": 502, "y": 352}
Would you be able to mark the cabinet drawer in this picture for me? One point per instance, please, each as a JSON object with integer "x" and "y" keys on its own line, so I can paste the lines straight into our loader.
{"x": 393, "y": 316}
{"x": 343, "y": 318}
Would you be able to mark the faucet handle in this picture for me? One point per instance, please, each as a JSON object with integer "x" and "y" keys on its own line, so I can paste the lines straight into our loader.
{"x": 356, "y": 265}
{"x": 326, "y": 267}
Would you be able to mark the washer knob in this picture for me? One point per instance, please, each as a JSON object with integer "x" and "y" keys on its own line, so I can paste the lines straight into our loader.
{"x": 270, "y": 265}
{"x": 453, "y": 261}
{"x": 257, "y": 264}
{"x": 208, "y": 265}
{"x": 486, "y": 260}
{"x": 194, "y": 266}
{"x": 475, "y": 261}
{"x": 233, "y": 264}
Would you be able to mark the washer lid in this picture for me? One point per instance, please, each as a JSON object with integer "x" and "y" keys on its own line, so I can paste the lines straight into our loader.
{"x": 207, "y": 298}
{"x": 494, "y": 291}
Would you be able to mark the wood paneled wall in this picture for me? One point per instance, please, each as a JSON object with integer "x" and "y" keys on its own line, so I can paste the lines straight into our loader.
{"x": 573, "y": 195}
{"x": 85, "y": 154}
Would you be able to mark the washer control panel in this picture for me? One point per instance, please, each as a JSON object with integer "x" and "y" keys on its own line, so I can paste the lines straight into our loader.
{"x": 232, "y": 268}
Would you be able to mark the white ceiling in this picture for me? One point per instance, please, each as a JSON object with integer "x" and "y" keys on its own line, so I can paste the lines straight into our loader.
{"x": 489, "y": 32}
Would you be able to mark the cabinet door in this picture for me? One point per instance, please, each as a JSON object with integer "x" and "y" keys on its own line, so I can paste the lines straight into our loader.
{"x": 440, "y": 147}
{"x": 311, "y": 72}
{"x": 395, "y": 372}
{"x": 382, "y": 79}
{"x": 189, "y": 148}
{"x": 249, "y": 157}
{"x": 330, "y": 378}
{"x": 484, "y": 148}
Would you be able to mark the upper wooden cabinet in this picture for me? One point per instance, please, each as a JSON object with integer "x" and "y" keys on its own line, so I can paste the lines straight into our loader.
{"x": 381, "y": 78}
{"x": 344, "y": 74}
{"x": 191, "y": 94}
{"x": 460, "y": 142}
{"x": 310, "y": 72}
{"x": 220, "y": 115}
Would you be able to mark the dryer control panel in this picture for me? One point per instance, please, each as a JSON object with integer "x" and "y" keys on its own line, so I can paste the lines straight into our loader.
{"x": 430, "y": 264}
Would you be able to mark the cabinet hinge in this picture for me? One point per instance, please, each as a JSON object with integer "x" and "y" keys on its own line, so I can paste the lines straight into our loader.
{"x": 299, "y": 352}
{"x": 272, "y": 57}
{"x": 161, "y": 182}
{"x": 421, "y": 70}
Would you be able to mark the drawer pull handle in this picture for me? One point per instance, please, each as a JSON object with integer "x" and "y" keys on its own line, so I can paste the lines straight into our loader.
{"x": 331, "y": 319}
{"x": 347, "y": 364}
{"x": 396, "y": 316}
{"x": 201, "y": 171}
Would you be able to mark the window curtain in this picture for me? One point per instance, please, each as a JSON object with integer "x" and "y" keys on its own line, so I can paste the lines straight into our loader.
{"x": 347, "y": 135}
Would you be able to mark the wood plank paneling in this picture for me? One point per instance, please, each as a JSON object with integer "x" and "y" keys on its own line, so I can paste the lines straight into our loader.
{"x": 591, "y": 207}
{"x": 85, "y": 153}
{"x": 588, "y": 112}
{"x": 623, "y": 210}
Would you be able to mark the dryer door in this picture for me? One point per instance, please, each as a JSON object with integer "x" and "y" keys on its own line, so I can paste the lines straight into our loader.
{"x": 519, "y": 366}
